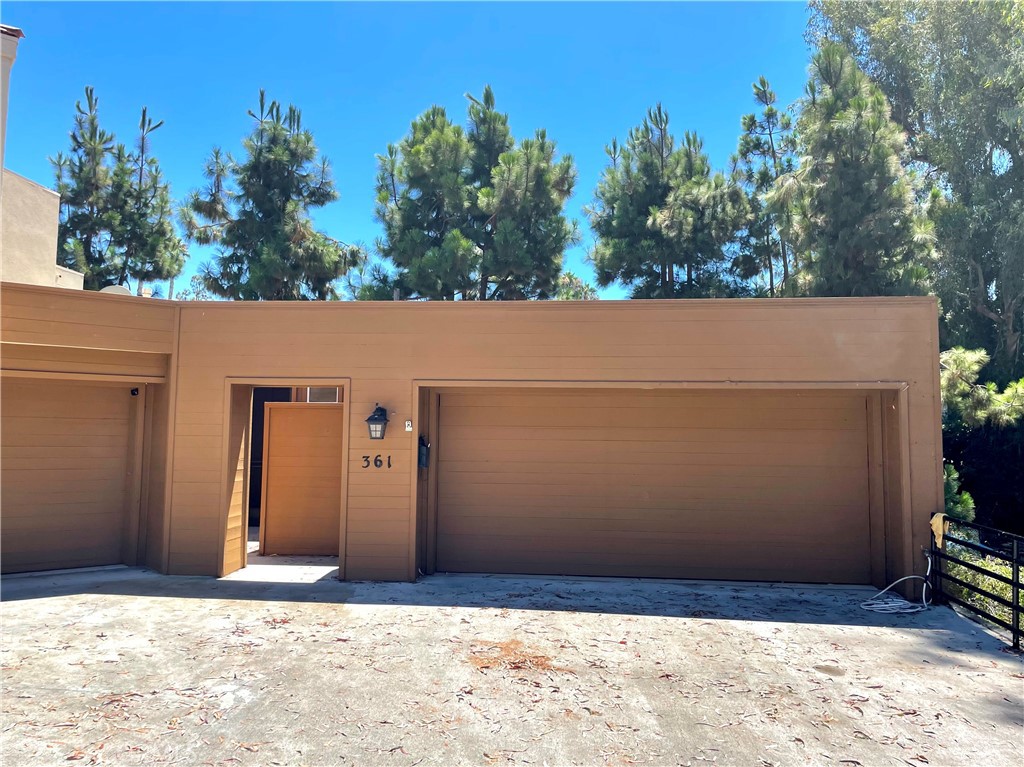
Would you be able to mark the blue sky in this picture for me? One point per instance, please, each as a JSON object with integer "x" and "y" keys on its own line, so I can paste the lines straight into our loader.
{"x": 361, "y": 72}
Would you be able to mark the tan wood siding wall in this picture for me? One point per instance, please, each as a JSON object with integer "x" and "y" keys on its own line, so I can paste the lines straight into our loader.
{"x": 64, "y": 476}
{"x": 83, "y": 337}
{"x": 53, "y": 317}
{"x": 154, "y": 510}
{"x": 672, "y": 484}
{"x": 384, "y": 348}
{"x": 898, "y": 528}
{"x": 59, "y": 360}
{"x": 237, "y": 525}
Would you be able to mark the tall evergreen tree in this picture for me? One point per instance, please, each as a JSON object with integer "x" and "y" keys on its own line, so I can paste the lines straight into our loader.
{"x": 524, "y": 222}
{"x": 116, "y": 222}
{"x": 422, "y": 200}
{"x": 663, "y": 218}
{"x": 257, "y": 212}
{"x": 954, "y": 74}
{"x": 857, "y": 217}
{"x": 148, "y": 246}
{"x": 471, "y": 214}
{"x": 767, "y": 151}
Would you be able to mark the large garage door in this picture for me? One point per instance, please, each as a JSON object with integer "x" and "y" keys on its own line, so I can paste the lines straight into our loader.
{"x": 766, "y": 486}
{"x": 63, "y": 474}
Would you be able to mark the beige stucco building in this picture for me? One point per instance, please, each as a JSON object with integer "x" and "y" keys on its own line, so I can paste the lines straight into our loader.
{"x": 29, "y": 212}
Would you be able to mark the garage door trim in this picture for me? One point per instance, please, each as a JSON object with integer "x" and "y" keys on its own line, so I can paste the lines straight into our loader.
{"x": 888, "y": 470}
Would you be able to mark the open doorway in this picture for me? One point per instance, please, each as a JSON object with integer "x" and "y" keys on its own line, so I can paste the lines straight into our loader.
{"x": 261, "y": 395}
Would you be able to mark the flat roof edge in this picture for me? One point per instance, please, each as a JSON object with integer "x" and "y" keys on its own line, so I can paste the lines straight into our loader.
{"x": 629, "y": 303}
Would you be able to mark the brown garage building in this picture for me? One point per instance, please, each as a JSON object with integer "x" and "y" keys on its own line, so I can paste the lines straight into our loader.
{"x": 783, "y": 440}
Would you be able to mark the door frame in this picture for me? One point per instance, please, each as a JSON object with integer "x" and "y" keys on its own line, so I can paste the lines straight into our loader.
{"x": 344, "y": 395}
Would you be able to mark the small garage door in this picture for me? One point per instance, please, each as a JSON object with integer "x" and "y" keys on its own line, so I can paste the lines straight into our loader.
{"x": 63, "y": 474}
{"x": 657, "y": 484}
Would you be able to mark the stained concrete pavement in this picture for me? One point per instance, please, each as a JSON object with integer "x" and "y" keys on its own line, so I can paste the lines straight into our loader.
{"x": 129, "y": 667}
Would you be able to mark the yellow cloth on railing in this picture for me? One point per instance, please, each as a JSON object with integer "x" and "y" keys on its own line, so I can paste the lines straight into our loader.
{"x": 938, "y": 528}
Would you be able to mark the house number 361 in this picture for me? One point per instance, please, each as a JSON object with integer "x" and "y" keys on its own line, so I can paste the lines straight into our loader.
{"x": 378, "y": 461}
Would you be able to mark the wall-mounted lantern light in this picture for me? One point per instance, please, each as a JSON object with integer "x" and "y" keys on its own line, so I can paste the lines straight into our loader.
{"x": 378, "y": 422}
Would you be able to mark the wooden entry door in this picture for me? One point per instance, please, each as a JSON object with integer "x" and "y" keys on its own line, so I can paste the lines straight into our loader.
{"x": 300, "y": 512}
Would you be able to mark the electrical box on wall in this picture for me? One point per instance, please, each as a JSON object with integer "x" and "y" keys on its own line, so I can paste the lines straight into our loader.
{"x": 408, "y": 425}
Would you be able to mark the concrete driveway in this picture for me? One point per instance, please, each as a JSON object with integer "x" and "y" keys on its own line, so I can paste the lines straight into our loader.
{"x": 129, "y": 667}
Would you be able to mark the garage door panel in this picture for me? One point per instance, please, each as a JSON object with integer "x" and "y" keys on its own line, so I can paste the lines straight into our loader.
{"x": 644, "y": 468}
{"x": 107, "y": 491}
{"x": 752, "y": 514}
{"x": 686, "y": 496}
{"x": 85, "y": 473}
{"x": 26, "y": 430}
{"x": 829, "y": 449}
{"x": 657, "y": 483}
{"x": 528, "y": 484}
{"x": 102, "y": 533}
{"x": 92, "y": 552}
{"x": 25, "y": 515}
{"x": 810, "y": 516}
{"x": 726, "y": 560}
{"x": 618, "y": 435}
{"x": 653, "y": 418}
{"x": 651, "y": 398}
{"x": 88, "y": 465}
{"x": 662, "y": 552}
{"x": 60, "y": 443}
{"x": 42, "y": 408}
{"x": 64, "y": 474}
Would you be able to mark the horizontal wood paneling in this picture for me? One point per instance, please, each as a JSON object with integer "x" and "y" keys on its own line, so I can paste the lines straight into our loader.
{"x": 55, "y": 317}
{"x": 63, "y": 474}
{"x": 301, "y": 511}
{"x": 384, "y": 347}
{"x": 61, "y": 359}
{"x": 553, "y": 483}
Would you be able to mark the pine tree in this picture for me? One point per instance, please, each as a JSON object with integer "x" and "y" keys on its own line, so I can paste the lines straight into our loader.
{"x": 148, "y": 246}
{"x": 471, "y": 214}
{"x": 116, "y": 212}
{"x": 857, "y": 217}
{"x": 528, "y": 232}
{"x": 973, "y": 403}
{"x": 257, "y": 212}
{"x": 422, "y": 201}
{"x": 954, "y": 74}
{"x": 573, "y": 288}
{"x": 700, "y": 217}
{"x": 766, "y": 152}
{"x": 663, "y": 218}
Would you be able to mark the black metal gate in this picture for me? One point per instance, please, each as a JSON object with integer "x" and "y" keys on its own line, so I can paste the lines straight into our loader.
{"x": 952, "y": 573}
